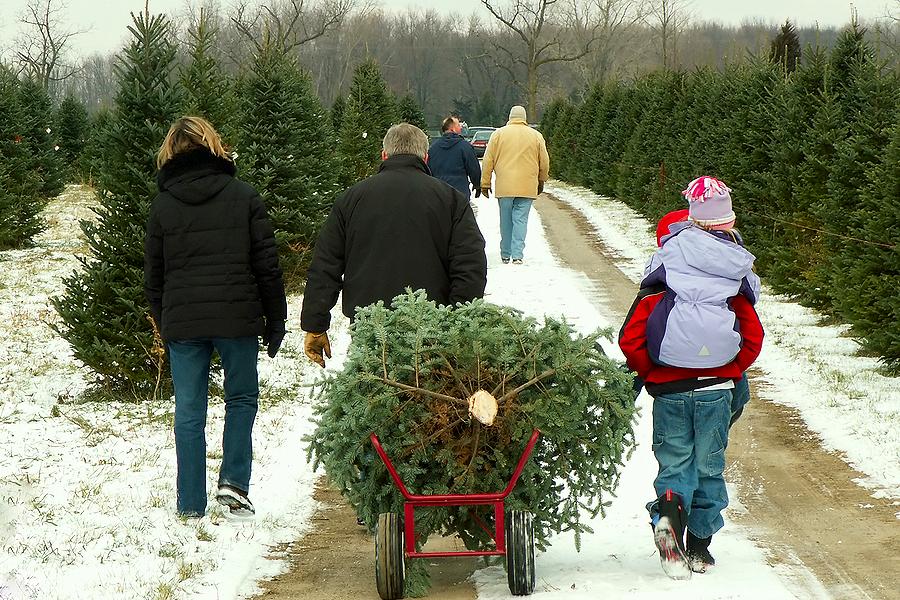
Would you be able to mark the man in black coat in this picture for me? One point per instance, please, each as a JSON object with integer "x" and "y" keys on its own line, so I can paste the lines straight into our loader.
{"x": 452, "y": 159}
{"x": 399, "y": 228}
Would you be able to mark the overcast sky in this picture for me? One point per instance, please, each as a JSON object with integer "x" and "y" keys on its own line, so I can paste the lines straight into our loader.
{"x": 108, "y": 19}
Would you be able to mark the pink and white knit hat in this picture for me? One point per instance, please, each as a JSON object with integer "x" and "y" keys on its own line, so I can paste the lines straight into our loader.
{"x": 710, "y": 203}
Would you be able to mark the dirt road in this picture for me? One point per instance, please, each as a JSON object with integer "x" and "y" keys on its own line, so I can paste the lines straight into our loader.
{"x": 801, "y": 501}
{"x": 336, "y": 561}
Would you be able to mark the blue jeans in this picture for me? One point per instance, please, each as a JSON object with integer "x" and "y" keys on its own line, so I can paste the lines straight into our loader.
{"x": 690, "y": 434}
{"x": 740, "y": 398}
{"x": 513, "y": 226}
{"x": 190, "y": 374}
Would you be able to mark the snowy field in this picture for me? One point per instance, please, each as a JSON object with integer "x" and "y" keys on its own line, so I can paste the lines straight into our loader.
{"x": 87, "y": 491}
{"x": 87, "y": 499}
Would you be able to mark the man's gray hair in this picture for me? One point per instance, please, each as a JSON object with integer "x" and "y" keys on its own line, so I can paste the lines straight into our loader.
{"x": 404, "y": 138}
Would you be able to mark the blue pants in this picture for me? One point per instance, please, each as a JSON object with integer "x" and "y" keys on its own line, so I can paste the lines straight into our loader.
{"x": 190, "y": 374}
{"x": 513, "y": 226}
{"x": 690, "y": 434}
{"x": 740, "y": 398}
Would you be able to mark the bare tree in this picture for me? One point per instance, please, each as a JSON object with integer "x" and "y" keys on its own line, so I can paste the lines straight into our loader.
{"x": 289, "y": 24}
{"x": 42, "y": 47}
{"x": 667, "y": 19}
{"x": 616, "y": 18}
{"x": 540, "y": 32}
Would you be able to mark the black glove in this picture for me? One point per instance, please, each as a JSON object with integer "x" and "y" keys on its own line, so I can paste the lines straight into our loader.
{"x": 273, "y": 336}
{"x": 478, "y": 192}
{"x": 540, "y": 187}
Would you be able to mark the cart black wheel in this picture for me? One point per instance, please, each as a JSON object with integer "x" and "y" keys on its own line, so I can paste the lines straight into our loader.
{"x": 390, "y": 568}
{"x": 520, "y": 552}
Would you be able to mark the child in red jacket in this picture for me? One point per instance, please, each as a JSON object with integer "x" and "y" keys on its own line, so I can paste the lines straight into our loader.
{"x": 690, "y": 335}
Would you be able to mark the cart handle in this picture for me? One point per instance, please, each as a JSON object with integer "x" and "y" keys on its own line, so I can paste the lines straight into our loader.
{"x": 497, "y": 496}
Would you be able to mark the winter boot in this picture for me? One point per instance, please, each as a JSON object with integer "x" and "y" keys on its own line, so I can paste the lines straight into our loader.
{"x": 669, "y": 536}
{"x": 698, "y": 553}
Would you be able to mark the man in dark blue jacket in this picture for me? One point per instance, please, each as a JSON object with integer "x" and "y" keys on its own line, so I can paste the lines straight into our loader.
{"x": 452, "y": 159}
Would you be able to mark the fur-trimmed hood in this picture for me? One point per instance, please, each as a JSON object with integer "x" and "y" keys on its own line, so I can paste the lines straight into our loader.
{"x": 195, "y": 176}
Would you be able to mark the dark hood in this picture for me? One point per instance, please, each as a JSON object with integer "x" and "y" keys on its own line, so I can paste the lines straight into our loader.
{"x": 448, "y": 140}
{"x": 195, "y": 176}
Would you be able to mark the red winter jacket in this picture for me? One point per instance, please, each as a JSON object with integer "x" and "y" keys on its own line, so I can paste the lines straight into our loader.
{"x": 661, "y": 379}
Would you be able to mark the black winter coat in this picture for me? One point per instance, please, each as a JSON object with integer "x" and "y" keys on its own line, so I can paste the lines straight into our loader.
{"x": 452, "y": 159}
{"x": 397, "y": 229}
{"x": 210, "y": 261}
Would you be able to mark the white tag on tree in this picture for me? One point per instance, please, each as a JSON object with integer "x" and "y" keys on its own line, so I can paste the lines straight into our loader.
{"x": 483, "y": 407}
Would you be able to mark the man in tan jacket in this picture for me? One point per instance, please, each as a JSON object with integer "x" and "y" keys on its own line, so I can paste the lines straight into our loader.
{"x": 517, "y": 155}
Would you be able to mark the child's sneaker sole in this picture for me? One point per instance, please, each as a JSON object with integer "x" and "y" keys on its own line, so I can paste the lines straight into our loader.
{"x": 671, "y": 556}
{"x": 698, "y": 565}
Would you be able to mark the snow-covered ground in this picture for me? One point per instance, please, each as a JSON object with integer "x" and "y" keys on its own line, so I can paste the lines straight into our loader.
{"x": 87, "y": 490}
{"x": 87, "y": 498}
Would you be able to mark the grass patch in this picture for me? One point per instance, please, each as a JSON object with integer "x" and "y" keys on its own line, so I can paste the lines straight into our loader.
{"x": 187, "y": 570}
{"x": 203, "y": 535}
{"x": 170, "y": 551}
{"x": 164, "y": 591}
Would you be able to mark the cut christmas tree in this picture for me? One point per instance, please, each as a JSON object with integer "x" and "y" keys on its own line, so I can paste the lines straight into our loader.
{"x": 409, "y": 377}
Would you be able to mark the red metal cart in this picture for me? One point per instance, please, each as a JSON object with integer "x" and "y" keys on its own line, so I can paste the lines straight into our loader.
{"x": 513, "y": 535}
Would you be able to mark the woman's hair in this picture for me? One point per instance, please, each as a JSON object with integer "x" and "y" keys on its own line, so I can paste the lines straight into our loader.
{"x": 188, "y": 133}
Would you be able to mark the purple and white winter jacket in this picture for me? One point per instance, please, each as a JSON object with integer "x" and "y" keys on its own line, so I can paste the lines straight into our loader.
{"x": 693, "y": 326}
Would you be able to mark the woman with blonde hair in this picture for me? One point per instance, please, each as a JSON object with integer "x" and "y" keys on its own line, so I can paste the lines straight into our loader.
{"x": 212, "y": 278}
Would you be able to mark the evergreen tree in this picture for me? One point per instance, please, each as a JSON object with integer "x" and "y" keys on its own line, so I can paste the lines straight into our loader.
{"x": 208, "y": 92}
{"x": 408, "y": 377}
{"x": 20, "y": 201}
{"x": 337, "y": 113}
{"x": 873, "y": 277}
{"x": 104, "y": 313}
{"x": 590, "y": 116}
{"x": 599, "y": 158}
{"x": 793, "y": 112}
{"x": 370, "y": 112}
{"x": 871, "y": 105}
{"x": 645, "y": 184}
{"x": 549, "y": 118}
{"x": 486, "y": 111}
{"x": 286, "y": 151}
{"x": 850, "y": 49}
{"x": 785, "y": 50}
{"x": 619, "y": 132}
{"x": 561, "y": 144}
{"x": 409, "y": 112}
{"x": 702, "y": 117}
{"x": 819, "y": 143}
{"x": 72, "y": 125}
{"x": 628, "y": 107}
{"x": 37, "y": 127}
{"x": 91, "y": 160}
{"x": 746, "y": 159}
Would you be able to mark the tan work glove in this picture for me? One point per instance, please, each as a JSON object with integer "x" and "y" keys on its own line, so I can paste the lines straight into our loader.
{"x": 315, "y": 345}
{"x": 486, "y": 192}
